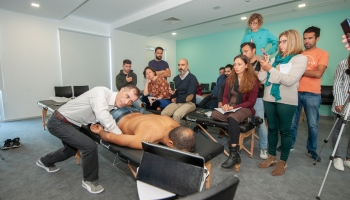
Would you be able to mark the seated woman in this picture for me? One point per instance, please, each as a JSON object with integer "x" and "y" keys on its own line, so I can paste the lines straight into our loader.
{"x": 156, "y": 92}
{"x": 281, "y": 81}
{"x": 240, "y": 90}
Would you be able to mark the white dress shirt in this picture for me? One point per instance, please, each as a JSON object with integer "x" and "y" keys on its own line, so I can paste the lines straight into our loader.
{"x": 91, "y": 107}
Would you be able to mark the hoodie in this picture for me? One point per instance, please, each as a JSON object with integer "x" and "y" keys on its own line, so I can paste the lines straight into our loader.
{"x": 120, "y": 80}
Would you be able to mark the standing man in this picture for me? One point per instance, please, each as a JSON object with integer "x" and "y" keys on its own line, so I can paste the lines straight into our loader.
{"x": 222, "y": 70}
{"x": 91, "y": 107}
{"x": 183, "y": 99}
{"x": 249, "y": 49}
{"x": 161, "y": 66}
{"x": 309, "y": 91}
{"x": 126, "y": 75}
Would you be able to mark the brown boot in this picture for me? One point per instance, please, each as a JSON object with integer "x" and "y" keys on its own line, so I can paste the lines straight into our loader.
{"x": 280, "y": 169}
{"x": 270, "y": 161}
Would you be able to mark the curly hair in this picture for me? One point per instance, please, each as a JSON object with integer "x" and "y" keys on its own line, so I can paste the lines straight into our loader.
{"x": 249, "y": 77}
{"x": 256, "y": 16}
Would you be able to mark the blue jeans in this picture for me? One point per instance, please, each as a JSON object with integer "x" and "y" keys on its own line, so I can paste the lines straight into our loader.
{"x": 262, "y": 130}
{"x": 311, "y": 103}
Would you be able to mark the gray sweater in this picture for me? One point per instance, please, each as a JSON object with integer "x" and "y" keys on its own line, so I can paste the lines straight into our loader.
{"x": 289, "y": 82}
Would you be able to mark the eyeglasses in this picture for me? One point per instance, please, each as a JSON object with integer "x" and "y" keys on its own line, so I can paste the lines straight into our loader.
{"x": 253, "y": 23}
{"x": 282, "y": 41}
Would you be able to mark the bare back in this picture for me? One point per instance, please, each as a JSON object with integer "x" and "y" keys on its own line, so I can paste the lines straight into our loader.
{"x": 150, "y": 127}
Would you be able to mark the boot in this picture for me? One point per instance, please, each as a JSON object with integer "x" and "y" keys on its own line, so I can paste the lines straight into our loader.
{"x": 234, "y": 158}
{"x": 270, "y": 161}
{"x": 280, "y": 169}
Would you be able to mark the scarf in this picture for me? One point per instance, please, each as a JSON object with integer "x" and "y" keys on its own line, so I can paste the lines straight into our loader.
{"x": 275, "y": 89}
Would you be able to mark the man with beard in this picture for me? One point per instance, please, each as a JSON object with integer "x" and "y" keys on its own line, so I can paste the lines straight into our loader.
{"x": 184, "y": 97}
{"x": 309, "y": 90}
{"x": 161, "y": 66}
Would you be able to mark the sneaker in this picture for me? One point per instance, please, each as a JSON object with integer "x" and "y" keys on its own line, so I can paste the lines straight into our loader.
{"x": 314, "y": 156}
{"x": 51, "y": 169}
{"x": 16, "y": 143}
{"x": 338, "y": 164}
{"x": 93, "y": 187}
{"x": 263, "y": 154}
{"x": 7, "y": 144}
{"x": 347, "y": 163}
{"x": 279, "y": 148}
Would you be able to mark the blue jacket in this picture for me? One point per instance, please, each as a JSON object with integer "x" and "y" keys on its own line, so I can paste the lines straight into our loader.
{"x": 219, "y": 82}
{"x": 261, "y": 39}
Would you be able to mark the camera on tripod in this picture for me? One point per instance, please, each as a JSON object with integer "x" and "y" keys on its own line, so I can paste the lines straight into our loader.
{"x": 254, "y": 120}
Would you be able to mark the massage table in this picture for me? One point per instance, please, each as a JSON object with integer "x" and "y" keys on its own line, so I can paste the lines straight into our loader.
{"x": 204, "y": 147}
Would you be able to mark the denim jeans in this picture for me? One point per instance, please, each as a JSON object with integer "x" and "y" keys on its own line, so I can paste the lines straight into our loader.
{"x": 311, "y": 103}
{"x": 73, "y": 140}
{"x": 262, "y": 130}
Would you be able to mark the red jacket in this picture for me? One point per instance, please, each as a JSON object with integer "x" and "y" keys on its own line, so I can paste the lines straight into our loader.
{"x": 248, "y": 100}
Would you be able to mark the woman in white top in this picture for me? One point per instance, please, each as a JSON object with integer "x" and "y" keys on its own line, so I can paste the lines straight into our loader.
{"x": 340, "y": 92}
{"x": 281, "y": 80}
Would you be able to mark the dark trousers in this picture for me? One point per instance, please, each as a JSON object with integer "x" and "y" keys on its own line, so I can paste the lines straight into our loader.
{"x": 279, "y": 118}
{"x": 73, "y": 140}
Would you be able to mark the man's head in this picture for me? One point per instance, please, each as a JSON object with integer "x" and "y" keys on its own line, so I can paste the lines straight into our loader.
{"x": 311, "y": 37}
{"x": 126, "y": 66}
{"x": 228, "y": 69}
{"x": 158, "y": 52}
{"x": 222, "y": 70}
{"x": 127, "y": 96}
{"x": 182, "y": 138}
{"x": 182, "y": 66}
{"x": 248, "y": 49}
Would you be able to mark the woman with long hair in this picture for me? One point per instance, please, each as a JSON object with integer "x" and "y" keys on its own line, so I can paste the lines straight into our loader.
{"x": 156, "y": 92}
{"x": 240, "y": 91}
{"x": 281, "y": 79}
{"x": 340, "y": 92}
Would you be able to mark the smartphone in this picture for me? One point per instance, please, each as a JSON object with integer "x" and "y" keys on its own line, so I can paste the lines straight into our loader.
{"x": 128, "y": 75}
{"x": 172, "y": 85}
{"x": 346, "y": 28}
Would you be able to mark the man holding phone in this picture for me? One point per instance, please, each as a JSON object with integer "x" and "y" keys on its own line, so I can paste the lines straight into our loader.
{"x": 309, "y": 91}
{"x": 126, "y": 76}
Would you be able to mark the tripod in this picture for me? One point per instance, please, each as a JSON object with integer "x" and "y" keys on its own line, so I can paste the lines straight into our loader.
{"x": 344, "y": 122}
{"x": 2, "y": 157}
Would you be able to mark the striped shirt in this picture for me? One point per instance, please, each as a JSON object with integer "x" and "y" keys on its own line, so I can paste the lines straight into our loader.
{"x": 341, "y": 85}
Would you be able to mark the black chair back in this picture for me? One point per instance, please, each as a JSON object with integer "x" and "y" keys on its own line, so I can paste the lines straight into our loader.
{"x": 213, "y": 84}
{"x": 327, "y": 95}
{"x": 205, "y": 86}
{"x": 78, "y": 90}
{"x": 63, "y": 91}
{"x": 224, "y": 190}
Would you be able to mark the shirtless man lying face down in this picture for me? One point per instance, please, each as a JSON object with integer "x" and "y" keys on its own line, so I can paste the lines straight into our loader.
{"x": 137, "y": 127}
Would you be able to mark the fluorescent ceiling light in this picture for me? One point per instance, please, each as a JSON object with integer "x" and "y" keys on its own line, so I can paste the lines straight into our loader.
{"x": 173, "y": 33}
{"x": 301, "y": 5}
{"x": 35, "y": 5}
{"x": 243, "y": 18}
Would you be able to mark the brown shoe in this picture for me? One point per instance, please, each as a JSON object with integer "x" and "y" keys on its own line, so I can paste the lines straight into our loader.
{"x": 270, "y": 161}
{"x": 280, "y": 169}
{"x": 189, "y": 98}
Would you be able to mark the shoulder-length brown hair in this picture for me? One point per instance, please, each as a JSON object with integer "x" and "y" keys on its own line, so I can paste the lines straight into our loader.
{"x": 294, "y": 42}
{"x": 248, "y": 79}
{"x": 150, "y": 68}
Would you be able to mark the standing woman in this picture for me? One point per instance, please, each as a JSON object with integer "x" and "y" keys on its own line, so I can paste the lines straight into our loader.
{"x": 155, "y": 87}
{"x": 340, "y": 92}
{"x": 281, "y": 81}
{"x": 240, "y": 90}
{"x": 259, "y": 36}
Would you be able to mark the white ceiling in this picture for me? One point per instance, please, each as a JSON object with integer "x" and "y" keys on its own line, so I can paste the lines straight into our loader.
{"x": 198, "y": 17}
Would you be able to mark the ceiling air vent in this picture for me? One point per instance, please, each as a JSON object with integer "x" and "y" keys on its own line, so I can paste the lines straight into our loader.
{"x": 171, "y": 20}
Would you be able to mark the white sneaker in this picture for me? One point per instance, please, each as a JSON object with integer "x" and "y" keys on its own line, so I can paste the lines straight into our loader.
{"x": 347, "y": 163}
{"x": 93, "y": 187}
{"x": 338, "y": 164}
{"x": 263, "y": 154}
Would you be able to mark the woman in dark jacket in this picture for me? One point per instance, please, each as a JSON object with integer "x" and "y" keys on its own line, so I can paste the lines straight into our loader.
{"x": 241, "y": 90}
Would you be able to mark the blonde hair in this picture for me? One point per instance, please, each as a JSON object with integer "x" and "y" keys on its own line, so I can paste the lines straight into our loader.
{"x": 256, "y": 16}
{"x": 294, "y": 42}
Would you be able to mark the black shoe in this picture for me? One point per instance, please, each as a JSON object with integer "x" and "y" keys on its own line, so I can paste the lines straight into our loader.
{"x": 16, "y": 143}
{"x": 7, "y": 144}
{"x": 233, "y": 159}
{"x": 314, "y": 156}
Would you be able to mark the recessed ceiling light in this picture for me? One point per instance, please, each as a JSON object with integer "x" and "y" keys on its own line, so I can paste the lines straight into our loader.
{"x": 301, "y": 5}
{"x": 35, "y": 5}
{"x": 173, "y": 33}
{"x": 216, "y": 8}
{"x": 243, "y": 18}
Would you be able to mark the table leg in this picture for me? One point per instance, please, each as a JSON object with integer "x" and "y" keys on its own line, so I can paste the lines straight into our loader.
{"x": 207, "y": 181}
{"x": 43, "y": 117}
